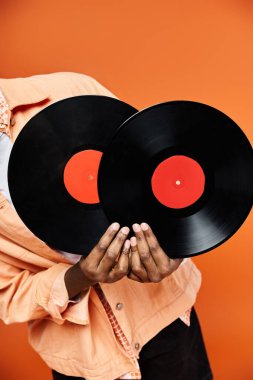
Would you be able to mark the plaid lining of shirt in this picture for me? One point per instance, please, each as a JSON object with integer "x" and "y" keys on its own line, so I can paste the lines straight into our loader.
{"x": 119, "y": 335}
{"x": 5, "y": 115}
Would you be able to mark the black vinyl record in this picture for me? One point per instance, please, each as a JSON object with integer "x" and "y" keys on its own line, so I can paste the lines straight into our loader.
{"x": 183, "y": 167}
{"x": 45, "y": 167}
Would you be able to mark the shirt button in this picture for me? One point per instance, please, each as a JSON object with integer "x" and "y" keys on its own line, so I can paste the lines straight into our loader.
{"x": 137, "y": 346}
{"x": 119, "y": 306}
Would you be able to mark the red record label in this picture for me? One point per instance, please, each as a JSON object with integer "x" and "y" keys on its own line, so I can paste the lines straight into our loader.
{"x": 178, "y": 181}
{"x": 80, "y": 176}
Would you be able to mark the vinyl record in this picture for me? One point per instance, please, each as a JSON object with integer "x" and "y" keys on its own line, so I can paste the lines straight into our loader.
{"x": 183, "y": 167}
{"x": 53, "y": 170}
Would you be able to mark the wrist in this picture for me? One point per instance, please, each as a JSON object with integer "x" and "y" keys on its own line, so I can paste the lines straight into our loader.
{"x": 76, "y": 281}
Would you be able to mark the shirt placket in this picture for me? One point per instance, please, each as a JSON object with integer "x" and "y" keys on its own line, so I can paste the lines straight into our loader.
{"x": 119, "y": 334}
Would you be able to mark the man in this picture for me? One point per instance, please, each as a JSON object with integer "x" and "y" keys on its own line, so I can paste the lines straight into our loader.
{"x": 95, "y": 317}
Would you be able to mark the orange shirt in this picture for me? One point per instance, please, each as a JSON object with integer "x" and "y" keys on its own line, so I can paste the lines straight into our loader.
{"x": 76, "y": 339}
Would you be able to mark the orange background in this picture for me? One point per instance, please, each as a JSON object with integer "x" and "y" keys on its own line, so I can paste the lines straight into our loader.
{"x": 148, "y": 52}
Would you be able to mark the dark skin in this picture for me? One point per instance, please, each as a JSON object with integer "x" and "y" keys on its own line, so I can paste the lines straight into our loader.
{"x": 149, "y": 262}
{"x": 140, "y": 259}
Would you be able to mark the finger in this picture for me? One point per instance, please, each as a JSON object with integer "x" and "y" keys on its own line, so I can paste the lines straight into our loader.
{"x": 99, "y": 250}
{"x": 145, "y": 255}
{"x": 122, "y": 266}
{"x": 164, "y": 264}
{"x": 136, "y": 265}
{"x": 110, "y": 257}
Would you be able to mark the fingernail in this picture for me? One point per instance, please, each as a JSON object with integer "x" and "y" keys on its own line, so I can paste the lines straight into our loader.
{"x": 127, "y": 244}
{"x": 115, "y": 226}
{"x": 125, "y": 230}
{"x": 144, "y": 226}
{"x": 136, "y": 227}
{"x": 133, "y": 241}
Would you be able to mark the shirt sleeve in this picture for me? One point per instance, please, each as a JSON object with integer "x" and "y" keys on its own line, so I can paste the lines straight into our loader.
{"x": 26, "y": 296}
{"x": 99, "y": 89}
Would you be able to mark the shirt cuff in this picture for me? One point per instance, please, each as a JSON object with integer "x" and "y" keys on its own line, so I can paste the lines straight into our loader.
{"x": 58, "y": 300}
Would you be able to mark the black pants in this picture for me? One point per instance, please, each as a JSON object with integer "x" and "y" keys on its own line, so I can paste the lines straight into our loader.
{"x": 176, "y": 353}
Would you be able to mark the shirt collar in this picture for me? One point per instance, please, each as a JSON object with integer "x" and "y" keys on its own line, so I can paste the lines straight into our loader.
{"x": 23, "y": 91}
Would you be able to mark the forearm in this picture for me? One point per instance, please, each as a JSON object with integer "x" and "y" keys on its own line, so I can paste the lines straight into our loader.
{"x": 76, "y": 281}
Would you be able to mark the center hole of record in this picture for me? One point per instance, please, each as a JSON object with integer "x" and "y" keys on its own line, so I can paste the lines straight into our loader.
{"x": 80, "y": 176}
{"x": 178, "y": 181}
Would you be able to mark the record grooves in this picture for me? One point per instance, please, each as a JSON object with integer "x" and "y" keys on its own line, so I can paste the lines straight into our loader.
{"x": 222, "y": 160}
{"x": 43, "y": 175}
{"x": 85, "y": 162}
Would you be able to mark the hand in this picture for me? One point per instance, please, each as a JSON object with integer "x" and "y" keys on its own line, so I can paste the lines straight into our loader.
{"x": 101, "y": 265}
{"x": 107, "y": 262}
{"x": 149, "y": 263}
